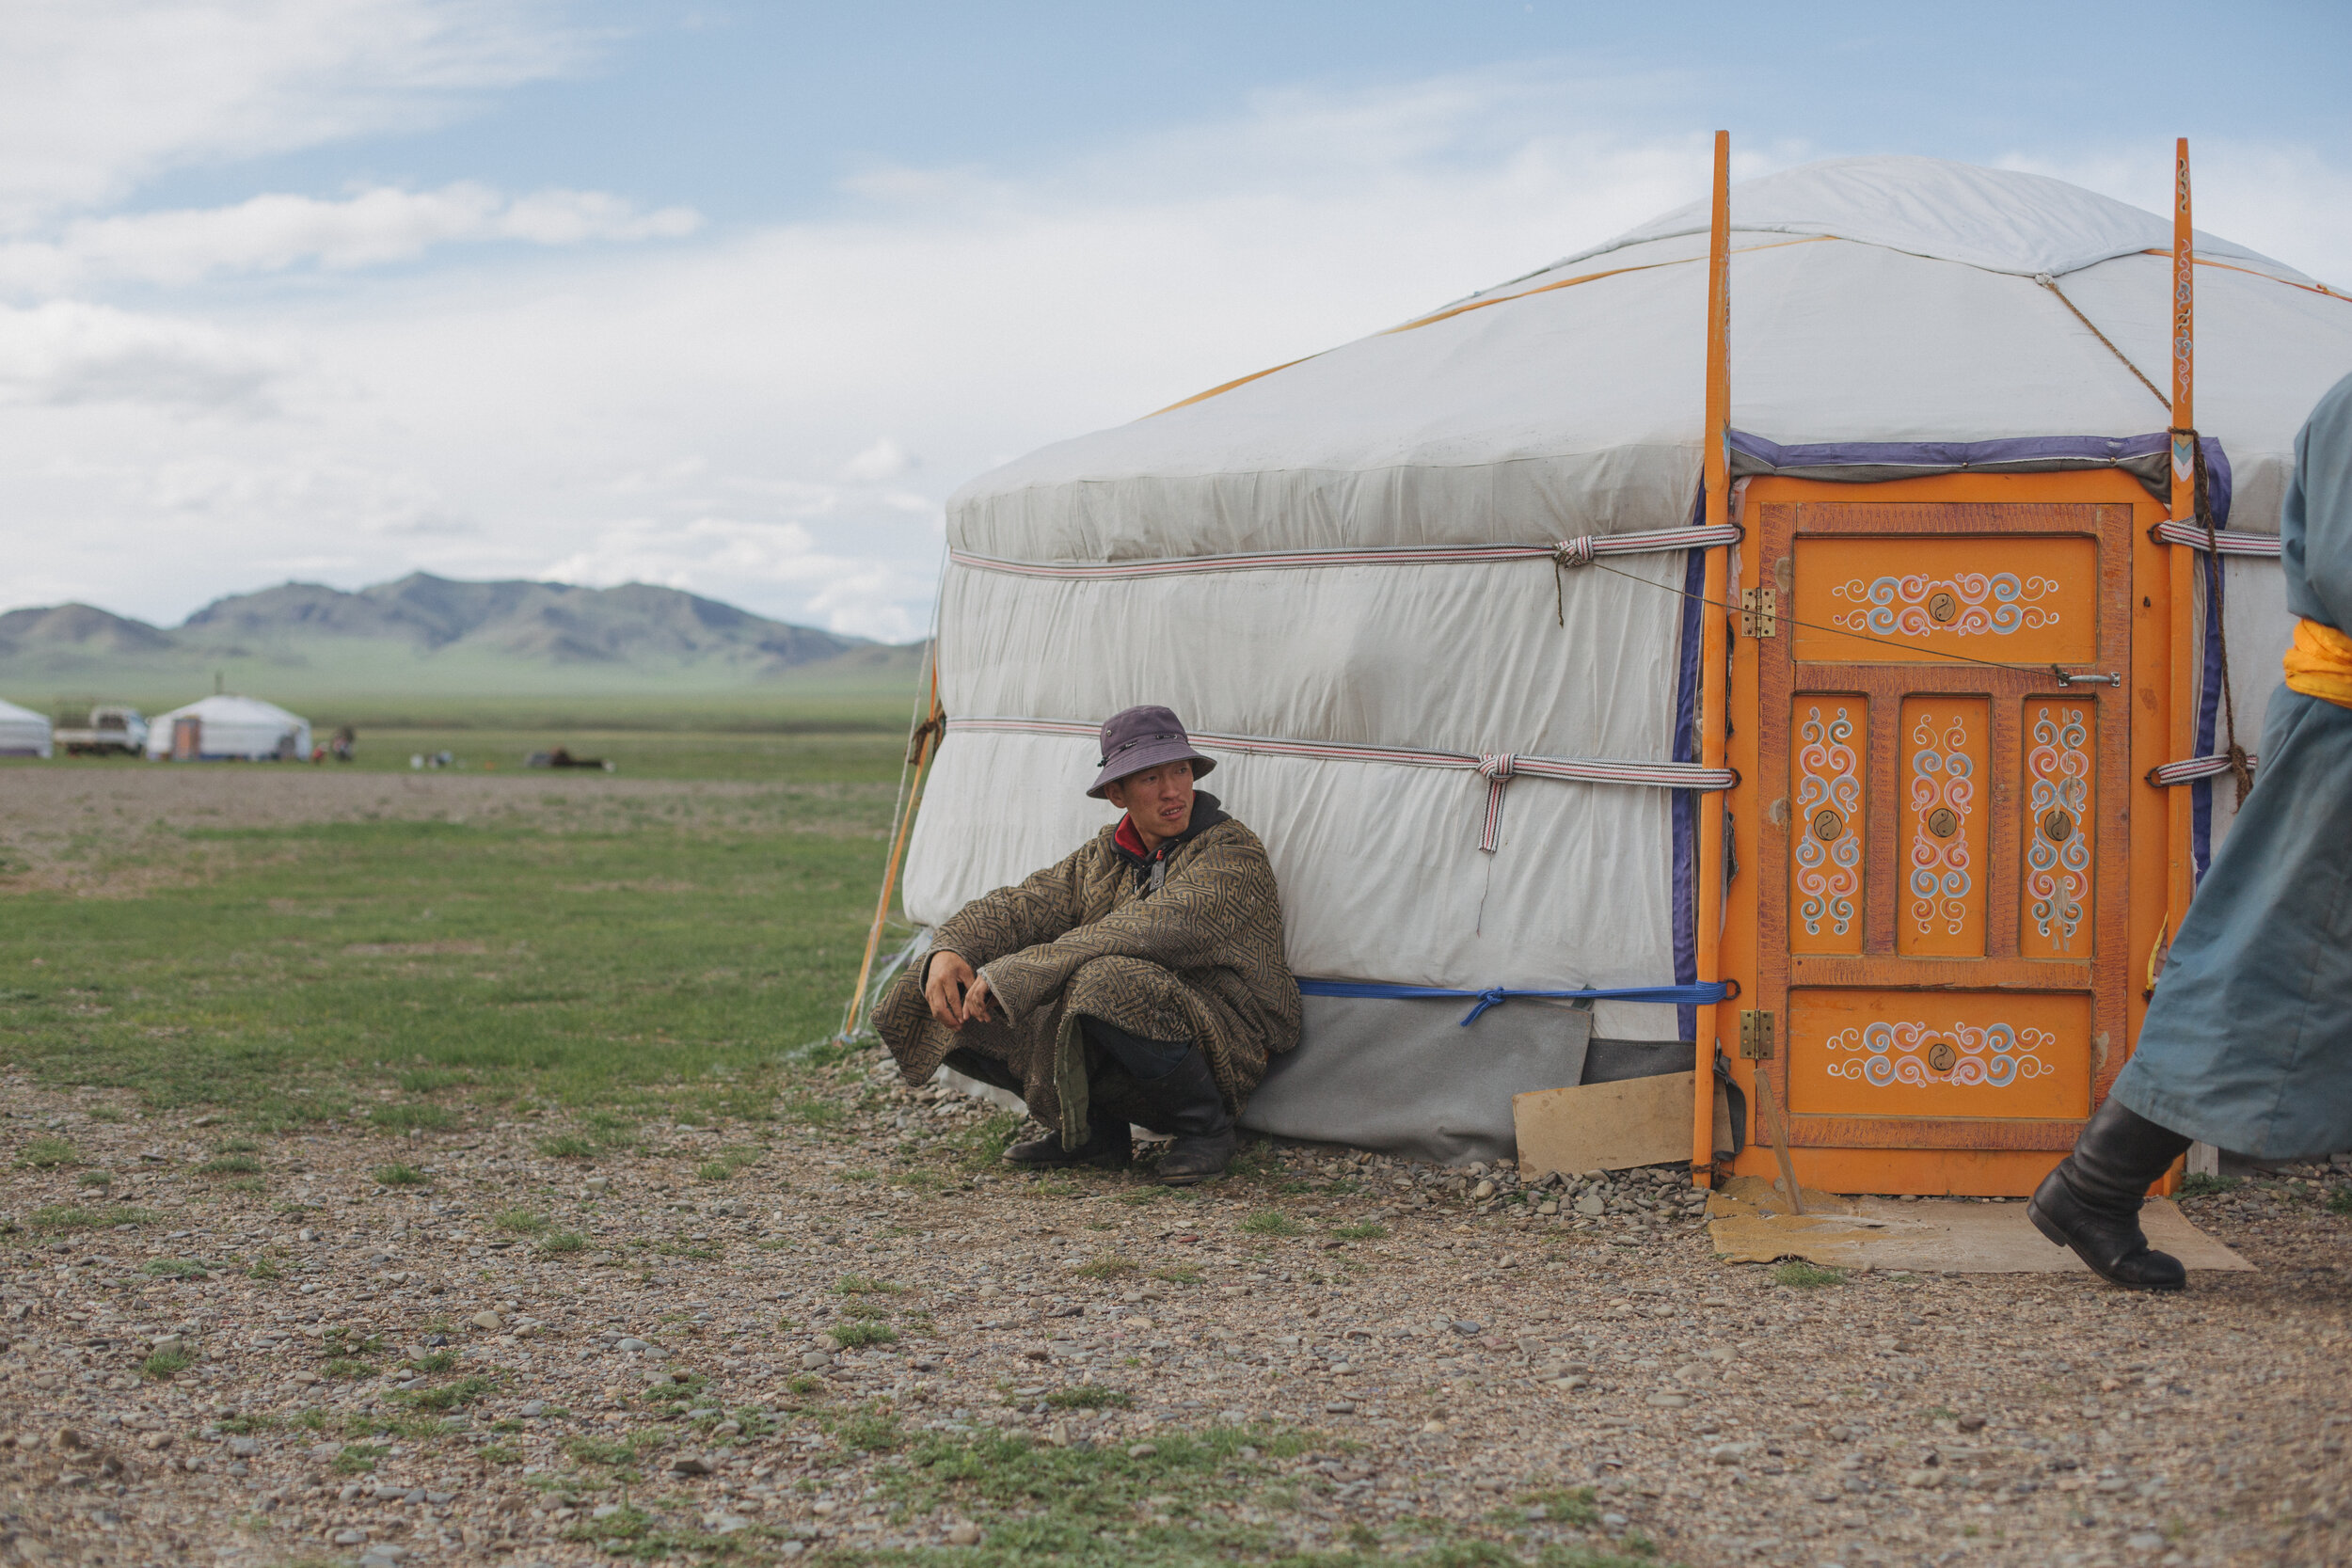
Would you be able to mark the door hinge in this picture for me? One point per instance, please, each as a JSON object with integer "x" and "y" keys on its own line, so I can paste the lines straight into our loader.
{"x": 1756, "y": 1035}
{"x": 1758, "y": 608}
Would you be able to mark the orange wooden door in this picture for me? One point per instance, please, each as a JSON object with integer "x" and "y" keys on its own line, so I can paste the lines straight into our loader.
{"x": 1934, "y": 830}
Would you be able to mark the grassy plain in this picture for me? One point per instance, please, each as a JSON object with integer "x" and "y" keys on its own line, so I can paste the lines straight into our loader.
{"x": 582, "y": 940}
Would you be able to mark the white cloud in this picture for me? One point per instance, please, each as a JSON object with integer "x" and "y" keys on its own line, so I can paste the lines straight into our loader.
{"x": 706, "y": 413}
{"x": 66, "y": 353}
{"x": 883, "y": 461}
{"x": 97, "y": 95}
{"x": 272, "y": 233}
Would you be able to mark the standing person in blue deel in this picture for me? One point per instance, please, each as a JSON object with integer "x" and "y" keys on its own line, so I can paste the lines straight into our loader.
{"x": 2248, "y": 1043}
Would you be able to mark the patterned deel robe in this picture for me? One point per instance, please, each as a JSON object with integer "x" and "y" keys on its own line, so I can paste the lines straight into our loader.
{"x": 1200, "y": 959}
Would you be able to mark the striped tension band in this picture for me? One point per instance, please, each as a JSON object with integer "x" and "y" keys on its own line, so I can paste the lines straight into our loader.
{"x": 1497, "y": 767}
{"x": 1567, "y": 552}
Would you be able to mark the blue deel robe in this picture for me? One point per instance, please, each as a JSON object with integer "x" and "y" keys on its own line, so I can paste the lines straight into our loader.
{"x": 2248, "y": 1042}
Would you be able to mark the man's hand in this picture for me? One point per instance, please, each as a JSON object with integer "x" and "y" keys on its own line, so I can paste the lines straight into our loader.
{"x": 958, "y": 996}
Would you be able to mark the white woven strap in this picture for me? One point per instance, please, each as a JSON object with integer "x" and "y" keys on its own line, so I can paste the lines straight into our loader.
{"x": 1567, "y": 552}
{"x": 1497, "y": 767}
{"x": 2190, "y": 770}
{"x": 2170, "y": 532}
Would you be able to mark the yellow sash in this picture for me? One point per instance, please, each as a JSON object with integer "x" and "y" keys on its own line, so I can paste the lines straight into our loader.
{"x": 2320, "y": 663}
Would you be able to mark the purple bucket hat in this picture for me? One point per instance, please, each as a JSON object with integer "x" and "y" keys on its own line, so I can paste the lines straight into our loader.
{"x": 1144, "y": 737}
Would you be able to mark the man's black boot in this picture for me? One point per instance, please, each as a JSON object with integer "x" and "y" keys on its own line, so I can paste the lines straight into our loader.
{"x": 1110, "y": 1143}
{"x": 2091, "y": 1201}
{"x": 1187, "y": 1102}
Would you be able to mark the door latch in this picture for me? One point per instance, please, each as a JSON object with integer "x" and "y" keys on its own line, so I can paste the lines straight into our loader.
{"x": 1756, "y": 1035}
{"x": 1758, "y": 608}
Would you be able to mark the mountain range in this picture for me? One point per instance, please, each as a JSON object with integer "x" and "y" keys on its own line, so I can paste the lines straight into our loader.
{"x": 426, "y": 632}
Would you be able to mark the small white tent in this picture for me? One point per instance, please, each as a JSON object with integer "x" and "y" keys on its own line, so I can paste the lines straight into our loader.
{"x": 222, "y": 729}
{"x": 22, "y": 732}
{"x": 1341, "y": 571}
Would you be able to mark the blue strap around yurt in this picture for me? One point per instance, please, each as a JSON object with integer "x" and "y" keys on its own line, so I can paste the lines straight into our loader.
{"x": 1692, "y": 995}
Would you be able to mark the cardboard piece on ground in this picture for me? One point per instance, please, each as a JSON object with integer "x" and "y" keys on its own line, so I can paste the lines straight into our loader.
{"x": 1749, "y": 1222}
{"x": 1635, "y": 1122}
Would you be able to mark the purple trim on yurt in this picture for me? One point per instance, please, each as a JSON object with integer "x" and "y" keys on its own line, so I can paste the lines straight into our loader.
{"x": 2146, "y": 458}
{"x": 1685, "y": 802}
{"x": 2208, "y": 710}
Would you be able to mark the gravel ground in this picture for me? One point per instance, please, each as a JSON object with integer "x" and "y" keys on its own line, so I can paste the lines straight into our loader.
{"x": 386, "y": 1374}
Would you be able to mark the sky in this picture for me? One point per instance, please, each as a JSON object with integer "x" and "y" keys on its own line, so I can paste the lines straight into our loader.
{"x": 730, "y": 295}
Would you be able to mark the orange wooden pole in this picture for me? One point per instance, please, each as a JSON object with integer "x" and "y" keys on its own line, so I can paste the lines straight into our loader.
{"x": 931, "y": 731}
{"x": 1714, "y": 627}
{"x": 2180, "y": 871}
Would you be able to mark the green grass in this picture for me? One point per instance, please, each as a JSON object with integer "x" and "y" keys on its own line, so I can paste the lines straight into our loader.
{"x": 1182, "y": 1274}
{"x": 521, "y": 1222}
{"x": 1108, "y": 1266}
{"x": 1363, "y": 1230}
{"x": 596, "y": 951}
{"x": 400, "y": 1175}
{"x": 726, "y": 1165}
{"x": 229, "y": 1165}
{"x": 1089, "y": 1396}
{"x": 451, "y": 1396}
{"x": 164, "y": 1363}
{"x": 344, "y": 1367}
{"x": 66, "y": 1216}
{"x": 1272, "y": 1222}
{"x": 358, "y": 1459}
{"x": 562, "y": 1242}
{"x": 865, "y": 1285}
{"x": 1099, "y": 1505}
{"x": 858, "y": 1334}
{"x": 2339, "y": 1201}
{"x": 176, "y": 1268}
{"x": 2198, "y": 1184}
{"x": 48, "y": 1154}
{"x": 1799, "y": 1275}
{"x": 433, "y": 1363}
{"x": 567, "y": 1146}
{"x": 94, "y": 1179}
{"x": 236, "y": 1146}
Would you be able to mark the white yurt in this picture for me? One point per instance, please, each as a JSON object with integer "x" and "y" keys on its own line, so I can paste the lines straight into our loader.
{"x": 22, "y": 732}
{"x": 1340, "y": 572}
{"x": 227, "y": 729}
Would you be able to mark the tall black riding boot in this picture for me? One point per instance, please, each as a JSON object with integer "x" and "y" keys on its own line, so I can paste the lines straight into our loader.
{"x": 1188, "y": 1103}
{"x": 1174, "y": 1079}
{"x": 2091, "y": 1201}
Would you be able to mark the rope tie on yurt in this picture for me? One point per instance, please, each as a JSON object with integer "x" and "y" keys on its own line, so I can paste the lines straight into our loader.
{"x": 2051, "y": 283}
{"x": 1567, "y": 553}
{"x": 1495, "y": 767}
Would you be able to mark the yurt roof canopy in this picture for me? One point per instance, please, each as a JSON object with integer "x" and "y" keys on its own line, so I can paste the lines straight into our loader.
{"x": 1872, "y": 300}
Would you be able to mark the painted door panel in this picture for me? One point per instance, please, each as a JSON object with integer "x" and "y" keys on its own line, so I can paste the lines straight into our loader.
{"x": 1940, "y": 802}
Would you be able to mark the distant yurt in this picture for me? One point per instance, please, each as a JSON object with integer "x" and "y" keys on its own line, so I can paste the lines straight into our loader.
{"x": 229, "y": 729}
{"x": 1437, "y": 602}
{"x": 22, "y": 732}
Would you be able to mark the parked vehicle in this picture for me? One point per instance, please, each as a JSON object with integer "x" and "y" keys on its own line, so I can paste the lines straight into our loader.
{"x": 98, "y": 729}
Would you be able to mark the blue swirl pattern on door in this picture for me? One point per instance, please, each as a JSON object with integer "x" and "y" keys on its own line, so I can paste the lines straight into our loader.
{"x": 1828, "y": 822}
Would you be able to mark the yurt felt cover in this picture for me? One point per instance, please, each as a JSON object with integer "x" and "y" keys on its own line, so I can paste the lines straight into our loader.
{"x": 22, "y": 732}
{"x": 1908, "y": 304}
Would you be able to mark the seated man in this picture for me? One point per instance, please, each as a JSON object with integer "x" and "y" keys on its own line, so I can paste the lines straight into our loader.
{"x": 1140, "y": 980}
